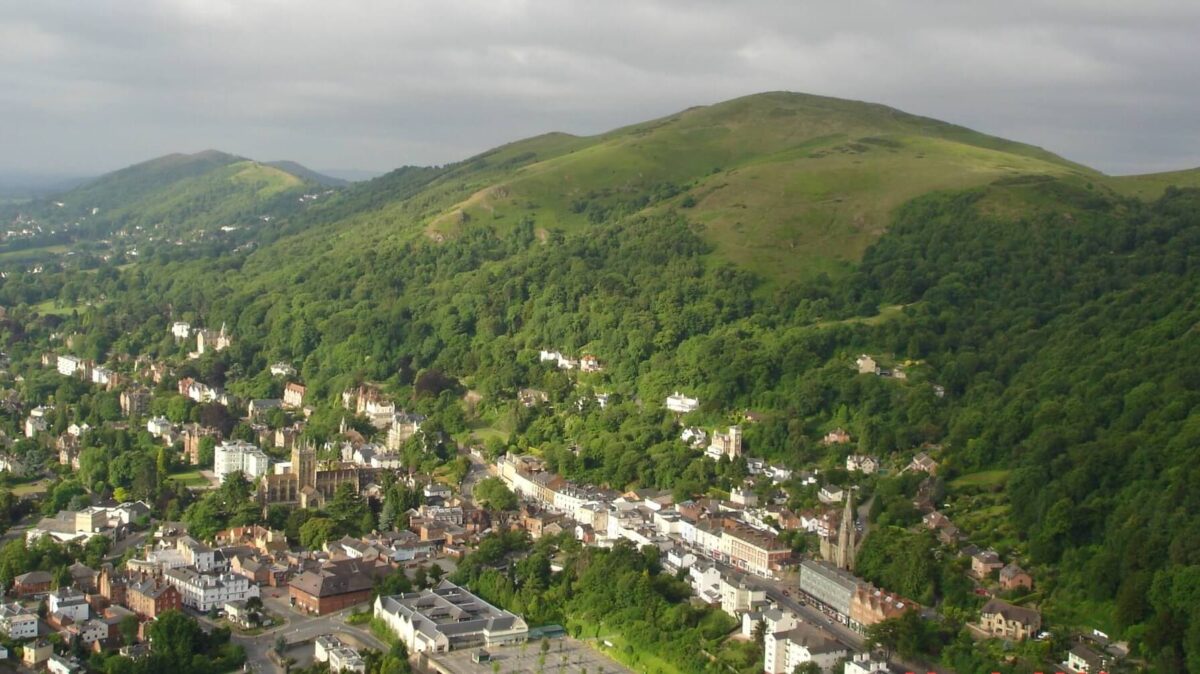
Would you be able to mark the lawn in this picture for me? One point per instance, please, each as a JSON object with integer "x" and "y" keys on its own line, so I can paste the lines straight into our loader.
{"x": 48, "y": 308}
{"x": 983, "y": 480}
{"x": 192, "y": 478}
{"x": 30, "y": 488}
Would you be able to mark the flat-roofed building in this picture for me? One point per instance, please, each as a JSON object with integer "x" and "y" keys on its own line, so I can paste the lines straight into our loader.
{"x": 448, "y": 618}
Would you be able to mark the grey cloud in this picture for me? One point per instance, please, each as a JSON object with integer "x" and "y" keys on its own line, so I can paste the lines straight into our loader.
{"x": 377, "y": 84}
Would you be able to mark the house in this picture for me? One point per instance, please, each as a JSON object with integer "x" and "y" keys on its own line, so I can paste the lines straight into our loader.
{"x": 866, "y": 365}
{"x": 68, "y": 602}
{"x": 984, "y": 562}
{"x": 831, "y": 494}
{"x": 82, "y": 577}
{"x": 35, "y": 653}
{"x": 18, "y": 622}
{"x": 1013, "y": 576}
{"x": 262, "y": 406}
{"x": 12, "y": 464}
{"x": 728, "y": 444}
{"x": 589, "y": 363}
{"x": 181, "y": 330}
{"x": 152, "y": 596}
{"x": 1081, "y": 659}
{"x": 837, "y": 436}
{"x": 332, "y": 587}
{"x": 1000, "y": 619}
{"x": 68, "y": 365}
{"x": 681, "y": 404}
{"x": 158, "y": 426}
{"x": 924, "y": 463}
{"x": 293, "y": 395}
{"x": 448, "y": 618}
{"x": 862, "y": 463}
{"x": 32, "y": 584}
{"x": 282, "y": 370}
{"x": 134, "y": 401}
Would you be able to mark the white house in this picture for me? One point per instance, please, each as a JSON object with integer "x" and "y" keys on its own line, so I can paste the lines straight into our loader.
{"x": 681, "y": 404}
{"x": 830, "y": 494}
{"x": 181, "y": 330}
{"x": 158, "y": 426}
{"x": 69, "y": 602}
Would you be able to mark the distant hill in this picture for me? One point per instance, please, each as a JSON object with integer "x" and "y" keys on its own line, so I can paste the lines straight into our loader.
{"x": 301, "y": 171}
{"x": 178, "y": 192}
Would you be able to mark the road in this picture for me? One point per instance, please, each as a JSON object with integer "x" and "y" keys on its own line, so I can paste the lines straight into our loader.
{"x": 479, "y": 470}
{"x": 299, "y": 628}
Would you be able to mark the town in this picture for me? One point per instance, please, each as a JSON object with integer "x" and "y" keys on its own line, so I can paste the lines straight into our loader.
{"x": 306, "y": 553}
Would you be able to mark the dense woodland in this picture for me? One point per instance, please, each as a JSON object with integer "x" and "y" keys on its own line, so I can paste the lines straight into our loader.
{"x": 1065, "y": 337}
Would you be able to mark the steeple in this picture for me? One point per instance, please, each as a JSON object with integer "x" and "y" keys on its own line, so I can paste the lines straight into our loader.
{"x": 847, "y": 536}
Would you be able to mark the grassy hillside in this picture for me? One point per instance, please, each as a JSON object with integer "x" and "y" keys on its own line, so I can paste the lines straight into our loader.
{"x": 1152, "y": 185}
{"x": 786, "y": 184}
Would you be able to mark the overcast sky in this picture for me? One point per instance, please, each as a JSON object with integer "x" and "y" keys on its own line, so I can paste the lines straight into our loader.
{"x": 87, "y": 87}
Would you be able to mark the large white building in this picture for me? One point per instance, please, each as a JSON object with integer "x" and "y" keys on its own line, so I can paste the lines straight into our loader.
{"x": 239, "y": 455}
{"x": 448, "y": 618}
{"x": 784, "y": 651}
{"x": 205, "y": 592}
{"x": 68, "y": 365}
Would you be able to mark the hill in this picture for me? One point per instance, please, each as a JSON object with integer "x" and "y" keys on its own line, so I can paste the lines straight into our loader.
{"x": 786, "y": 184}
{"x": 173, "y": 194}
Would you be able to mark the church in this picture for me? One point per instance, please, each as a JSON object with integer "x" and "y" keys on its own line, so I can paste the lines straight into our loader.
{"x": 310, "y": 483}
{"x": 841, "y": 548}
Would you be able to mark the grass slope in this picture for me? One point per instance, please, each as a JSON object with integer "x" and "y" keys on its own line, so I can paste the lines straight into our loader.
{"x": 789, "y": 185}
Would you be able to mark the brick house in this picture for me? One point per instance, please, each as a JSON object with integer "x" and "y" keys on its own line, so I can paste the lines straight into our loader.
{"x": 152, "y": 596}
{"x": 332, "y": 587}
{"x": 32, "y": 583}
{"x": 1013, "y": 576}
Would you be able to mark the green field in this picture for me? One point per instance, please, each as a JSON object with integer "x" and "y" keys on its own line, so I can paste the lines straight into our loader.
{"x": 191, "y": 478}
{"x": 31, "y": 488}
{"x": 986, "y": 479}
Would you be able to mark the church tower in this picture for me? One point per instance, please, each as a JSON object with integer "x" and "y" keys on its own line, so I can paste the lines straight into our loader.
{"x": 847, "y": 536}
{"x": 304, "y": 464}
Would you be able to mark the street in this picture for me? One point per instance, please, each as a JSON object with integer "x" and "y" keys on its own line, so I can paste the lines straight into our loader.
{"x": 298, "y": 628}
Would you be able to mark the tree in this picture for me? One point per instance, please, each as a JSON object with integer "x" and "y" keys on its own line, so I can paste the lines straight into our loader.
{"x": 493, "y": 494}
{"x": 129, "y": 629}
{"x": 316, "y": 532}
{"x": 809, "y": 667}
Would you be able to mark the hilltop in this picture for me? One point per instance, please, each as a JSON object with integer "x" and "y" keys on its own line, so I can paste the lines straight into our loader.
{"x": 786, "y": 184}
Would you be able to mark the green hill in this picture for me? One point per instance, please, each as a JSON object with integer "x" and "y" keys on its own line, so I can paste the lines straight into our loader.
{"x": 786, "y": 184}
{"x": 175, "y": 193}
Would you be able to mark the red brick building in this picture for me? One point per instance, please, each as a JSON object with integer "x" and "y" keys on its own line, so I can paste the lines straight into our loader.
{"x": 32, "y": 583}
{"x": 152, "y": 596}
{"x": 335, "y": 586}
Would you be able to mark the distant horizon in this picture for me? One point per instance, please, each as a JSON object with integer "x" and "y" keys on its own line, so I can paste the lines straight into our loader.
{"x": 42, "y": 181}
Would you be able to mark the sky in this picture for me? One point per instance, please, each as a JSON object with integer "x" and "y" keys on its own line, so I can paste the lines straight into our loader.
{"x": 88, "y": 87}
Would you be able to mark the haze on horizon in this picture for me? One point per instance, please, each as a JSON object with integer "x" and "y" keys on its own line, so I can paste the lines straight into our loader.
{"x": 90, "y": 87}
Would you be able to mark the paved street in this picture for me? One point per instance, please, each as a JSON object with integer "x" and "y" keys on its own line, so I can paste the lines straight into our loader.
{"x": 298, "y": 628}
